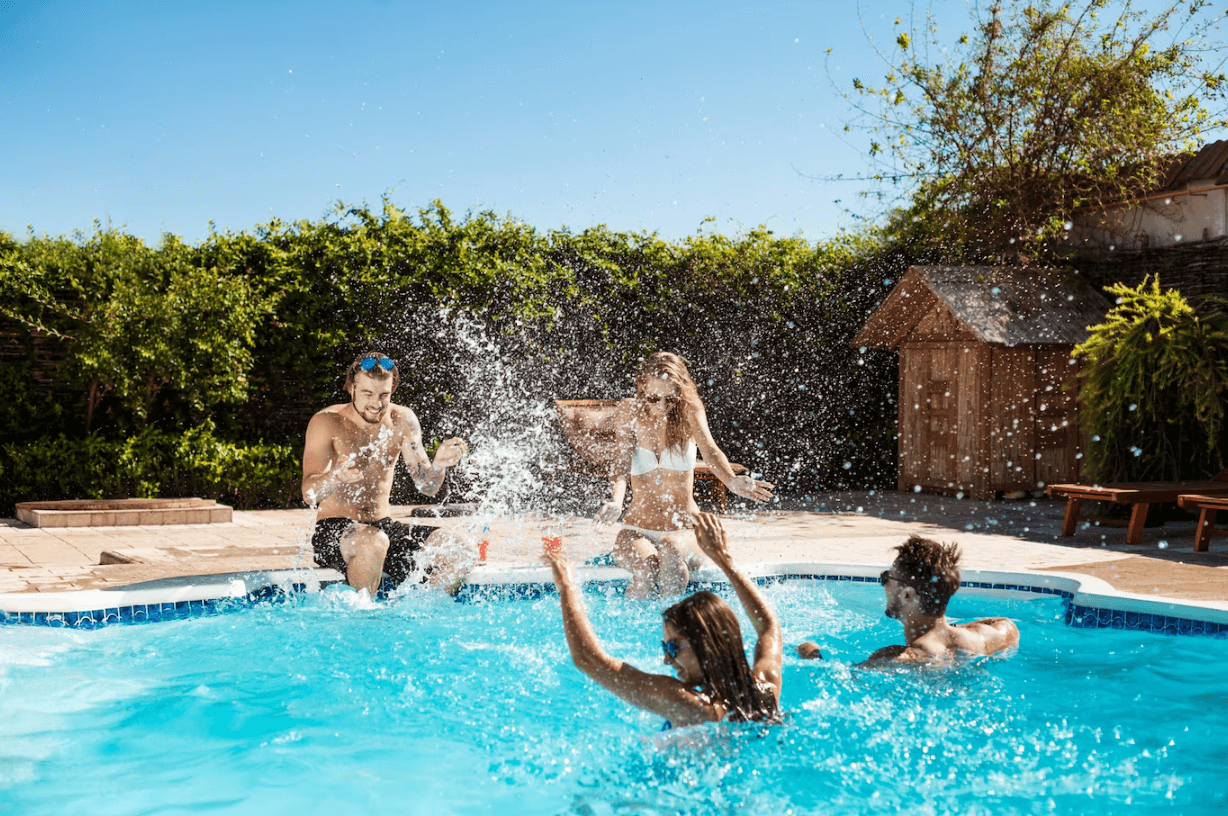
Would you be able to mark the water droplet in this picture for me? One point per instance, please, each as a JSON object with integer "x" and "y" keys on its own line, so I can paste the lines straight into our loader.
{"x": 1163, "y": 545}
{"x": 916, "y": 489}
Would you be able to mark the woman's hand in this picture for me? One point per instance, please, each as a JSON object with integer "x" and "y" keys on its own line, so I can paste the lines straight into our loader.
{"x": 564, "y": 573}
{"x": 748, "y": 488}
{"x": 608, "y": 513}
{"x": 710, "y": 536}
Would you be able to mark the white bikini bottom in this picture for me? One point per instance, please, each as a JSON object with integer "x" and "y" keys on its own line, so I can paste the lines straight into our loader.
{"x": 654, "y": 536}
{"x": 693, "y": 558}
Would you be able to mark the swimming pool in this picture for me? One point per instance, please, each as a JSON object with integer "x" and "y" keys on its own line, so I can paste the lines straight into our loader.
{"x": 326, "y": 705}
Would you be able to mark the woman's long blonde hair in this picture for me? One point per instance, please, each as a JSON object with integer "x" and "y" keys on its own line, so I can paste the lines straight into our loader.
{"x": 669, "y": 366}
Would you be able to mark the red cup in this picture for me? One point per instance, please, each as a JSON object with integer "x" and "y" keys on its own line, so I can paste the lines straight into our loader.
{"x": 552, "y": 544}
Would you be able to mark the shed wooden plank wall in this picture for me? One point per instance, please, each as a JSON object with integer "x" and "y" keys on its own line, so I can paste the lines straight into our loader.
{"x": 939, "y": 398}
{"x": 983, "y": 419}
{"x": 1012, "y": 429}
{"x": 1059, "y": 441}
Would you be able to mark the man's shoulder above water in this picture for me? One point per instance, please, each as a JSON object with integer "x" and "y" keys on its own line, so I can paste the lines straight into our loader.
{"x": 344, "y": 411}
{"x": 976, "y": 638}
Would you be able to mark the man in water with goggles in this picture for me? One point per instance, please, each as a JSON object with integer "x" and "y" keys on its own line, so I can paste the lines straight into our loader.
{"x": 348, "y": 464}
{"x": 923, "y": 578}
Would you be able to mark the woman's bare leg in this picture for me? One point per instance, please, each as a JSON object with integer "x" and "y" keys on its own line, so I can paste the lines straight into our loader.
{"x": 675, "y": 572}
{"x": 638, "y": 556}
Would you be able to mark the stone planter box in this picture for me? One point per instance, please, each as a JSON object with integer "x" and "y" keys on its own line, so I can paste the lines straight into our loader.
{"x": 122, "y": 512}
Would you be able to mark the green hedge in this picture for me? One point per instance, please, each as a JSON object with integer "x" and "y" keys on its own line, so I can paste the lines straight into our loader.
{"x": 251, "y": 332}
{"x": 150, "y": 464}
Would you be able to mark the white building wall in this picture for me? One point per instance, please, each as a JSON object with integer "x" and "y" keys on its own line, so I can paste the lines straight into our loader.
{"x": 1198, "y": 213}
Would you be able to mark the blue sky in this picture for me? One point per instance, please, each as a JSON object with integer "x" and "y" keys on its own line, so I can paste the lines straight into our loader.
{"x": 162, "y": 117}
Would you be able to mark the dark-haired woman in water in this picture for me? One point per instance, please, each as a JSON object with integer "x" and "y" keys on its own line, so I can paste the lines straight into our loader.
{"x": 659, "y": 432}
{"x": 702, "y": 643}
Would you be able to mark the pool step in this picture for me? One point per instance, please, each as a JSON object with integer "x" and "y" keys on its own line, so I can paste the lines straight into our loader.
{"x": 122, "y": 512}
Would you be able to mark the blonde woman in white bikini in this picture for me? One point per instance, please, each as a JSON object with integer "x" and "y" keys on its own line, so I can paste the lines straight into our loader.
{"x": 659, "y": 432}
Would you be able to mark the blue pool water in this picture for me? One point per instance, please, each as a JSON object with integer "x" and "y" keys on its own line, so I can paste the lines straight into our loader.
{"x": 421, "y": 705}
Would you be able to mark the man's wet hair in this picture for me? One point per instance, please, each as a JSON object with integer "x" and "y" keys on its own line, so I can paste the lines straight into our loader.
{"x": 932, "y": 569}
{"x": 378, "y": 372}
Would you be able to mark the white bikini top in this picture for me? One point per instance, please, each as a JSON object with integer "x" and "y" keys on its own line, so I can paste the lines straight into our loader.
{"x": 644, "y": 460}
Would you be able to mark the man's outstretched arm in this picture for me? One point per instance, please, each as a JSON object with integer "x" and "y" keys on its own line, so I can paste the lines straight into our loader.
{"x": 427, "y": 475}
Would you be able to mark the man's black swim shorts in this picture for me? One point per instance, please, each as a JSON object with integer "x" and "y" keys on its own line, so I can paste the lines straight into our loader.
{"x": 404, "y": 541}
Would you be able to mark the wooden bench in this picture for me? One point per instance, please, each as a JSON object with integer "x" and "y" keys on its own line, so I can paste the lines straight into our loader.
{"x": 590, "y": 429}
{"x": 1209, "y": 505}
{"x": 1139, "y": 496}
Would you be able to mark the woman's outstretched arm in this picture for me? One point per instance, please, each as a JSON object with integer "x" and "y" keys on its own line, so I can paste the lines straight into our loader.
{"x": 658, "y": 693}
{"x": 710, "y": 536}
{"x": 744, "y": 485}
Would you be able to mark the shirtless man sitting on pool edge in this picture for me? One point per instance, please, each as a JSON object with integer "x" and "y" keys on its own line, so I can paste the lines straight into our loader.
{"x": 348, "y": 463}
{"x": 923, "y": 578}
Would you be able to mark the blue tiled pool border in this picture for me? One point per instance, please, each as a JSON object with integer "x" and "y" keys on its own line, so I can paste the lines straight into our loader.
{"x": 1095, "y": 607}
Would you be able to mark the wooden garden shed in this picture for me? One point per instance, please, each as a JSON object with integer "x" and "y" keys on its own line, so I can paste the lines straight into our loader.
{"x": 987, "y": 400}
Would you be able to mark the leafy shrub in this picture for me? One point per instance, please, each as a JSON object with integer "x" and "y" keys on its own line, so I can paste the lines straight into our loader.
{"x": 1154, "y": 385}
{"x": 149, "y": 464}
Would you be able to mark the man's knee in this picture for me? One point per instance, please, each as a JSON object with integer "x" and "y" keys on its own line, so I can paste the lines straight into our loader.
{"x": 365, "y": 542}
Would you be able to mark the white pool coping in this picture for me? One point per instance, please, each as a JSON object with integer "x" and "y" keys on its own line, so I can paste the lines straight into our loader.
{"x": 1096, "y": 604}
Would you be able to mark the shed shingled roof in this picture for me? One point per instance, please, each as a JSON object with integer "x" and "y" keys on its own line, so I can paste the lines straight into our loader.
{"x": 1210, "y": 162}
{"x": 1000, "y": 305}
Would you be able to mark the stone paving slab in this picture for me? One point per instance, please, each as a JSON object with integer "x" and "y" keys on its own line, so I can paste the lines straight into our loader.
{"x": 855, "y": 527}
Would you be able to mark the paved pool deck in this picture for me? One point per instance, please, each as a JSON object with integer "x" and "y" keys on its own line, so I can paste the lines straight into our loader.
{"x": 851, "y": 527}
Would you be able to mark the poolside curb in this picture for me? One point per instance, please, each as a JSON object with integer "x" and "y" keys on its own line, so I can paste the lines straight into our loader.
{"x": 1090, "y": 602}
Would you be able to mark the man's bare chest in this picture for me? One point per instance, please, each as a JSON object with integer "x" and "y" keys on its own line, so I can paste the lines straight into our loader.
{"x": 369, "y": 451}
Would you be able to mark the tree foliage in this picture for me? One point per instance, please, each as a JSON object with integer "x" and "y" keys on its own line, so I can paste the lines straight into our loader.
{"x": 1154, "y": 386}
{"x": 998, "y": 136}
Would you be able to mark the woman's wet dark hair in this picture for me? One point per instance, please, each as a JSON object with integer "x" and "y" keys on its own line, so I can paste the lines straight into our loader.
{"x": 710, "y": 626}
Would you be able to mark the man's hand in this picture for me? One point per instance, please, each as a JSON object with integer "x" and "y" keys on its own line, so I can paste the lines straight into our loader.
{"x": 348, "y": 472}
{"x": 449, "y": 452}
{"x": 710, "y": 536}
{"x": 809, "y": 650}
{"x": 608, "y": 513}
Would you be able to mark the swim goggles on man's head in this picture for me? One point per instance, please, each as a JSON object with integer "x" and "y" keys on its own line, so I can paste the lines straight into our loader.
{"x": 371, "y": 361}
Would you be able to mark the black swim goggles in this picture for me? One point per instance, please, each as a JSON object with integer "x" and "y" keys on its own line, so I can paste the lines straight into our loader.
{"x": 371, "y": 361}
{"x": 885, "y": 574}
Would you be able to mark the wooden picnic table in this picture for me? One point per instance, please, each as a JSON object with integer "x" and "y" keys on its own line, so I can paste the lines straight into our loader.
{"x": 1209, "y": 505}
{"x": 1139, "y": 496}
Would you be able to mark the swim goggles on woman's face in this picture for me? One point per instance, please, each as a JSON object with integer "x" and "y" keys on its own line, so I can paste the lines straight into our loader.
{"x": 369, "y": 363}
{"x": 670, "y": 647}
{"x": 655, "y": 398}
